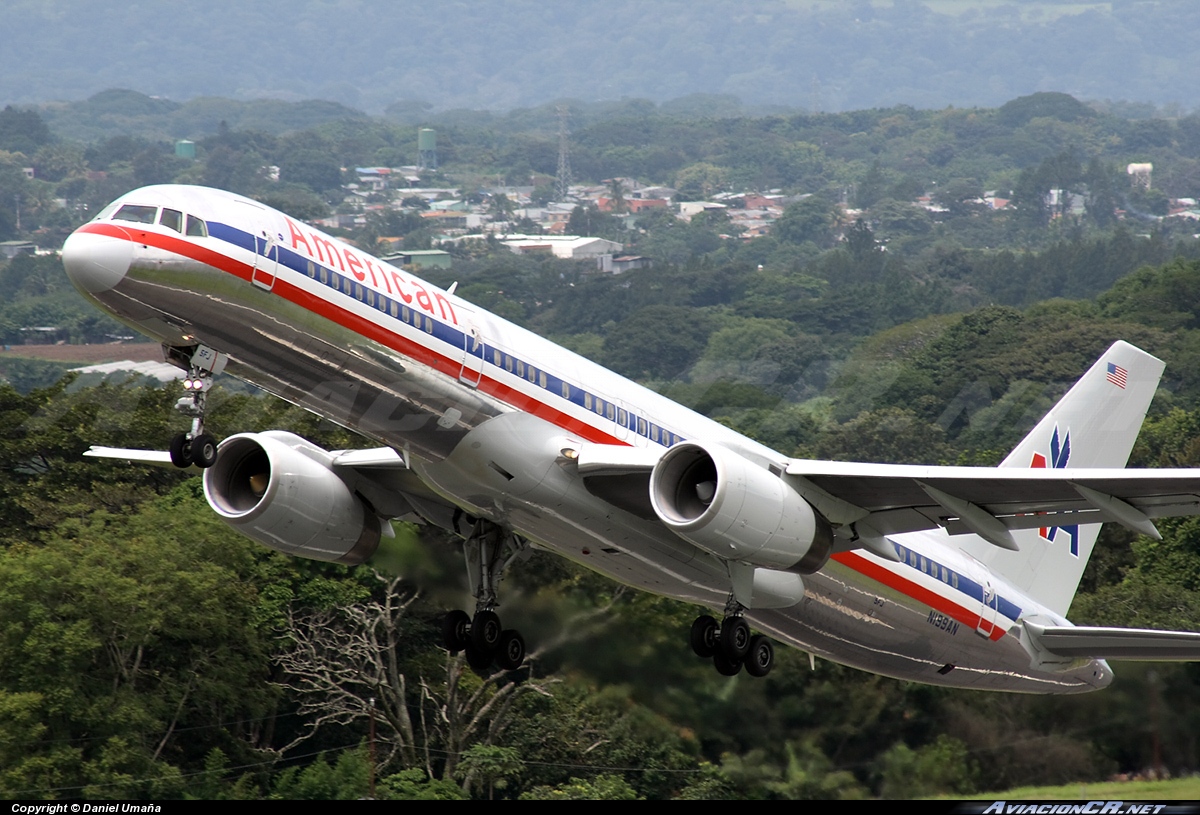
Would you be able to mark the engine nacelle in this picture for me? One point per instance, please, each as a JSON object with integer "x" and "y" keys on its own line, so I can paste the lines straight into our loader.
{"x": 727, "y": 505}
{"x": 280, "y": 490}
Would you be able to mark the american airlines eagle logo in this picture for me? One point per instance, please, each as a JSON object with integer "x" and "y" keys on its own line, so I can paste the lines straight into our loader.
{"x": 1060, "y": 454}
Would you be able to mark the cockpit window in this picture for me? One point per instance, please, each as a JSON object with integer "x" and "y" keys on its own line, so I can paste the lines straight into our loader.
{"x": 172, "y": 219}
{"x": 196, "y": 228}
{"x": 136, "y": 213}
{"x": 104, "y": 214}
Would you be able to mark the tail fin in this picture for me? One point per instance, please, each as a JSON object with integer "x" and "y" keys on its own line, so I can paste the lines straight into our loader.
{"x": 1094, "y": 425}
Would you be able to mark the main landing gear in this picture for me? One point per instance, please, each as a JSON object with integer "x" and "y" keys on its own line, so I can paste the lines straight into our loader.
{"x": 196, "y": 447}
{"x": 730, "y": 644}
{"x": 489, "y": 550}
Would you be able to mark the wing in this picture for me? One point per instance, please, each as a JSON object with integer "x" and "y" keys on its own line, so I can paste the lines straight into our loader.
{"x": 380, "y": 474}
{"x": 888, "y": 499}
{"x": 891, "y": 498}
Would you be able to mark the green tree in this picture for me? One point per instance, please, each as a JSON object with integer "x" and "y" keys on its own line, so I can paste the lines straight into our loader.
{"x": 811, "y": 219}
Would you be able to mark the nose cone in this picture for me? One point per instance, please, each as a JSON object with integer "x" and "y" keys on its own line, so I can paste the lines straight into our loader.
{"x": 96, "y": 263}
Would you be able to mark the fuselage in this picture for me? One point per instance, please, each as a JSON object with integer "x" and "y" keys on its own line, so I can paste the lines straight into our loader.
{"x": 482, "y": 409}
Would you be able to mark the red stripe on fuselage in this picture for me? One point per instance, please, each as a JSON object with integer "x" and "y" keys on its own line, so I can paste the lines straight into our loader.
{"x": 915, "y": 590}
{"x": 358, "y": 324}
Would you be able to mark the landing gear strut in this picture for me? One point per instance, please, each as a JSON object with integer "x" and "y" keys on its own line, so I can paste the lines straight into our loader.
{"x": 196, "y": 447}
{"x": 730, "y": 645}
{"x": 489, "y": 550}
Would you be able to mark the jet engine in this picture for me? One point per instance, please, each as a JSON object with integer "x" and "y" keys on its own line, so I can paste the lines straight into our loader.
{"x": 727, "y": 505}
{"x": 280, "y": 490}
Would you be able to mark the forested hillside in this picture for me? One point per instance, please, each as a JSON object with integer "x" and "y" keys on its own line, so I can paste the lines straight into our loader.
{"x": 827, "y": 55}
{"x": 148, "y": 651}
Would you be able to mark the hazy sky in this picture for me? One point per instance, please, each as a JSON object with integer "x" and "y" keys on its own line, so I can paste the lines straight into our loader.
{"x": 507, "y": 53}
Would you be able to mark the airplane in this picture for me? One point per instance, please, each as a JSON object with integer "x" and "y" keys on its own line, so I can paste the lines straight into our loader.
{"x": 947, "y": 575}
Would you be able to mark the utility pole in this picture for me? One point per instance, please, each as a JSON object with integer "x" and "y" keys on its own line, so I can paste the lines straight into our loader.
{"x": 371, "y": 754}
{"x": 562, "y": 182}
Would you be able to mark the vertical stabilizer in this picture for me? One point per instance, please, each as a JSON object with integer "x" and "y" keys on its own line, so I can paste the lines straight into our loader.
{"x": 1094, "y": 425}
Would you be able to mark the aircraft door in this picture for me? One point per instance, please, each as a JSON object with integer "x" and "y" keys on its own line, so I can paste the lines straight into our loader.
{"x": 989, "y": 601}
{"x": 266, "y": 260}
{"x": 473, "y": 345}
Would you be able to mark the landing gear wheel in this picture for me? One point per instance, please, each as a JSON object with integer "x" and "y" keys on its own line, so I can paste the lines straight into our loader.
{"x": 485, "y": 631}
{"x": 735, "y": 638}
{"x": 480, "y": 661}
{"x": 204, "y": 451}
{"x": 761, "y": 657}
{"x": 705, "y": 635}
{"x": 726, "y": 666}
{"x": 181, "y": 452}
{"x": 511, "y": 651}
{"x": 456, "y": 626}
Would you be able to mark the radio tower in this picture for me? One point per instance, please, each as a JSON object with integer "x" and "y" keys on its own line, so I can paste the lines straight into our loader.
{"x": 562, "y": 183}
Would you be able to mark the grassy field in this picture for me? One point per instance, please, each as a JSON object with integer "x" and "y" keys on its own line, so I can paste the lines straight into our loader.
{"x": 1181, "y": 789}
{"x": 87, "y": 354}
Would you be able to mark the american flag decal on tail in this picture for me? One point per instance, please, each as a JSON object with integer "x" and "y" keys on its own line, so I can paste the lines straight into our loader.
{"x": 1117, "y": 375}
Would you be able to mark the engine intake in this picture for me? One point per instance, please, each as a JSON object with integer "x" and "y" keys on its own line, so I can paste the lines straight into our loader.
{"x": 280, "y": 490}
{"x": 727, "y": 505}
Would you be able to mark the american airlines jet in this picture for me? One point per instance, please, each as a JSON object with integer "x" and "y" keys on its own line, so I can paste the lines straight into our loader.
{"x": 956, "y": 576}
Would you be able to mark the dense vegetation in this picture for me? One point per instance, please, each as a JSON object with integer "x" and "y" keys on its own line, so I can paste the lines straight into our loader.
{"x": 146, "y": 650}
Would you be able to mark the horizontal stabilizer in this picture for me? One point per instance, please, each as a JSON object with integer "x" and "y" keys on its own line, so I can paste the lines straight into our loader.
{"x": 1136, "y": 644}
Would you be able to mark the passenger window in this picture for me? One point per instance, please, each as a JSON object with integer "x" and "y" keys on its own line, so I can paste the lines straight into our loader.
{"x": 312, "y": 270}
{"x": 371, "y": 298}
{"x": 172, "y": 219}
{"x": 587, "y": 401}
{"x": 428, "y": 325}
{"x": 520, "y": 368}
{"x": 622, "y": 418}
{"x": 641, "y": 426}
{"x": 405, "y": 315}
{"x": 542, "y": 378}
{"x": 954, "y": 580}
{"x": 653, "y": 432}
{"x": 196, "y": 228}
{"x": 566, "y": 391}
{"x": 137, "y": 214}
{"x": 508, "y": 363}
{"x": 393, "y": 308}
{"x": 610, "y": 411}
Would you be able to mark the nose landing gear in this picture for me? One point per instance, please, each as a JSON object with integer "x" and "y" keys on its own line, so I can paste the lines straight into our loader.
{"x": 196, "y": 447}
